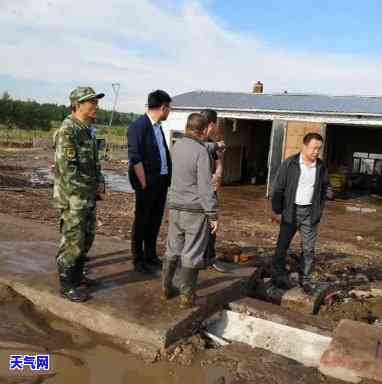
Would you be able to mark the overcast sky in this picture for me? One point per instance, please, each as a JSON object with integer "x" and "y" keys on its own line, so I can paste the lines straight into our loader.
{"x": 47, "y": 47}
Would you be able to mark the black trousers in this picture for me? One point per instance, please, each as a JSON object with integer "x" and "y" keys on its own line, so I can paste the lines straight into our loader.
{"x": 210, "y": 254}
{"x": 149, "y": 209}
{"x": 308, "y": 235}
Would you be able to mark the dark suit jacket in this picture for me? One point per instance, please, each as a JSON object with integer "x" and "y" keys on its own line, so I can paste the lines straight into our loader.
{"x": 142, "y": 147}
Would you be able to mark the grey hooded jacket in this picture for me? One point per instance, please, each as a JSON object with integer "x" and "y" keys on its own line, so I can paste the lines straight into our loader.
{"x": 191, "y": 185}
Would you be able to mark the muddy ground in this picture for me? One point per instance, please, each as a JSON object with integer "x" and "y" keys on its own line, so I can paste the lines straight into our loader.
{"x": 349, "y": 250}
{"x": 349, "y": 254}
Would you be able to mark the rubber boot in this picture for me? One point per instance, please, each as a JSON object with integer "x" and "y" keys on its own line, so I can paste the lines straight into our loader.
{"x": 168, "y": 272}
{"x": 80, "y": 275}
{"x": 67, "y": 278}
{"x": 187, "y": 288}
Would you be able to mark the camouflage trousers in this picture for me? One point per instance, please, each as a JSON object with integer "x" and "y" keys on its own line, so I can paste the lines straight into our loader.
{"x": 77, "y": 228}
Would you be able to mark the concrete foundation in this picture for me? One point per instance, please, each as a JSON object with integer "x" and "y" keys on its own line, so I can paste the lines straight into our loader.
{"x": 126, "y": 305}
{"x": 297, "y": 344}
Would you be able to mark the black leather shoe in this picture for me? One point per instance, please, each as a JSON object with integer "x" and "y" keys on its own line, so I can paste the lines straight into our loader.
{"x": 282, "y": 282}
{"x": 75, "y": 295}
{"x": 68, "y": 277}
{"x": 142, "y": 268}
{"x": 156, "y": 263}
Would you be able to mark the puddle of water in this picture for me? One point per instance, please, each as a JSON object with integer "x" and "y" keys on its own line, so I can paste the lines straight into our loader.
{"x": 104, "y": 364}
{"x": 117, "y": 182}
{"x": 80, "y": 356}
{"x": 41, "y": 177}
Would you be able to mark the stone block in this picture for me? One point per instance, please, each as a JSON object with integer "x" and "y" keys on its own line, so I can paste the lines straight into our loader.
{"x": 355, "y": 352}
{"x": 376, "y": 289}
{"x": 296, "y": 299}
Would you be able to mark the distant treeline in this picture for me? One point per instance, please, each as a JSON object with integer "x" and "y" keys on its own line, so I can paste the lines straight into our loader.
{"x": 30, "y": 115}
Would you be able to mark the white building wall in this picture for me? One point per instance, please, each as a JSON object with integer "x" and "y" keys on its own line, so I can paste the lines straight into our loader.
{"x": 318, "y": 117}
{"x": 176, "y": 121}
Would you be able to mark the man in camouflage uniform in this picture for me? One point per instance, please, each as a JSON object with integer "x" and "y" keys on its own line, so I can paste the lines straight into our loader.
{"x": 78, "y": 183}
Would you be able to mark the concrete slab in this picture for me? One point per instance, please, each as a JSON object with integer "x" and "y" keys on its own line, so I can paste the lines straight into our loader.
{"x": 297, "y": 344}
{"x": 271, "y": 312}
{"x": 126, "y": 305}
{"x": 355, "y": 352}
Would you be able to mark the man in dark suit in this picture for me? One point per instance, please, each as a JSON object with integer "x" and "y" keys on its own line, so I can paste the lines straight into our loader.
{"x": 150, "y": 176}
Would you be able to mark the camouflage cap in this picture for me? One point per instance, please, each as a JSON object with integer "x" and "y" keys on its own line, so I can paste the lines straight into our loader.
{"x": 83, "y": 94}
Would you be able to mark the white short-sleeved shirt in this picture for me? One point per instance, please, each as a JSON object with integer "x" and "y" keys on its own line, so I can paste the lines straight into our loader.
{"x": 305, "y": 188}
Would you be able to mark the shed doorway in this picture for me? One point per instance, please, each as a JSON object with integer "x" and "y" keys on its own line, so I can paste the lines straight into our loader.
{"x": 247, "y": 150}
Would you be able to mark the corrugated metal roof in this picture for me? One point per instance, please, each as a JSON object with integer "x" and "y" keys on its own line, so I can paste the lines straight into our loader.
{"x": 279, "y": 102}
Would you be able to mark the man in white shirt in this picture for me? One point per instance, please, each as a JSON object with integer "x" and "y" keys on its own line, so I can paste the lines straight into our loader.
{"x": 299, "y": 192}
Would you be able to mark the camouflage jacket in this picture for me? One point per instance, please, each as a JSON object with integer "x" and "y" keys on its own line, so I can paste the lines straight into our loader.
{"x": 77, "y": 170}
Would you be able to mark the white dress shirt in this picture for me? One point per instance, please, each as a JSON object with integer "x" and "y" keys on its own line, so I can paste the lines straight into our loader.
{"x": 305, "y": 188}
{"x": 161, "y": 146}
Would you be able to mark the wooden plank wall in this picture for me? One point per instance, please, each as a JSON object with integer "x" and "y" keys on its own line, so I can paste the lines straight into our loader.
{"x": 295, "y": 132}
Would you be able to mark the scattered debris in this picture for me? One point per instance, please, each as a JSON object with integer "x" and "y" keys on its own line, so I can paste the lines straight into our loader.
{"x": 378, "y": 322}
{"x": 368, "y": 210}
{"x": 358, "y": 294}
{"x": 185, "y": 352}
{"x": 216, "y": 339}
{"x": 361, "y": 210}
{"x": 333, "y": 297}
{"x": 238, "y": 253}
{"x": 376, "y": 289}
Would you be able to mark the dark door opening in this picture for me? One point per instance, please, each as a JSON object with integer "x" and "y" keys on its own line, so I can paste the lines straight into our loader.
{"x": 246, "y": 156}
{"x": 354, "y": 159}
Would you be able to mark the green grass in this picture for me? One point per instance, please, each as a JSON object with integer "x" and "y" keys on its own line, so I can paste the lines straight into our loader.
{"x": 115, "y": 135}
{"x": 21, "y": 135}
{"x": 118, "y": 130}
